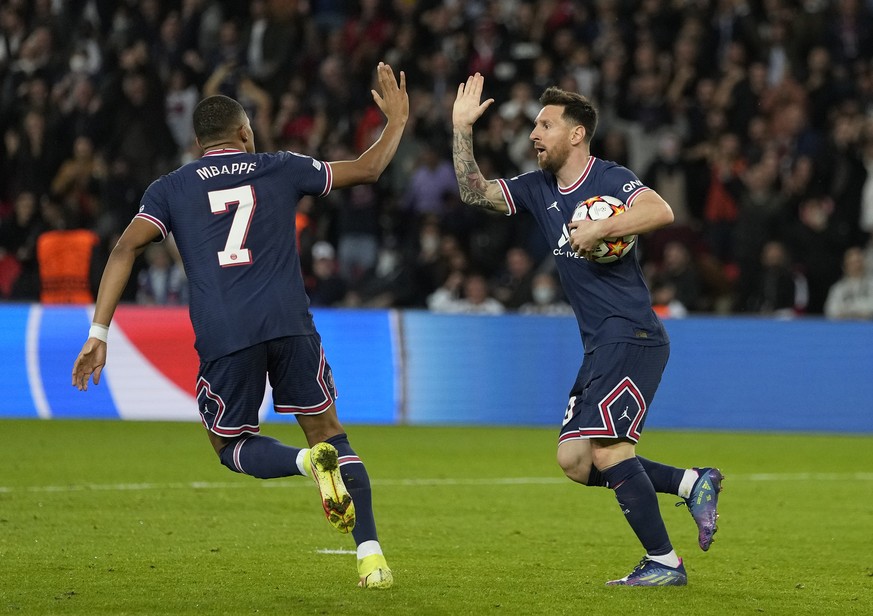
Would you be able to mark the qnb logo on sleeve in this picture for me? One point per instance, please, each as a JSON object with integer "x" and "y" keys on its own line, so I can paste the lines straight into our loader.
{"x": 632, "y": 186}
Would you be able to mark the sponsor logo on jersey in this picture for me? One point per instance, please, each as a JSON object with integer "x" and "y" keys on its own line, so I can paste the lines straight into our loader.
{"x": 563, "y": 241}
{"x": 554, "y": 205}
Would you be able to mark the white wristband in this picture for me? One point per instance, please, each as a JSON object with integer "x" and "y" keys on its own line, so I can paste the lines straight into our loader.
{"x": 101, "y": 332}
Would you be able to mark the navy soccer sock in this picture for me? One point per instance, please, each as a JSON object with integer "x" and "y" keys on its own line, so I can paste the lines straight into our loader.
{"x": 638, "y": 501}
{"x": 666, "y": 479}
{"x": 595, "y": 478}
{"x": 260, "y": 456}
{"x": 357, "y": 482}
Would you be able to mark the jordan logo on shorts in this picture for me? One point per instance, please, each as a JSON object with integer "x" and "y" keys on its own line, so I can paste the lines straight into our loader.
{"x": 624, "y": 415}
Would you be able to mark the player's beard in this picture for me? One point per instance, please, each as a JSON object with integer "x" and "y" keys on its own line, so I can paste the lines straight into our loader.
{"x": 553, "y": 159}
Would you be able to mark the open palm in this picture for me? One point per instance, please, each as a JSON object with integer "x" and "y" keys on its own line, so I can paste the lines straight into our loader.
{"x": 467, "y": 108}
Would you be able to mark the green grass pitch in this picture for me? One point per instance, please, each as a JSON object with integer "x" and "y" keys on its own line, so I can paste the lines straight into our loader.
{"x": 139, "y": 518}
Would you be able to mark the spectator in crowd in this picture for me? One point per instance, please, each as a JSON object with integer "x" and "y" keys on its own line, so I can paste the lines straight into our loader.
{"x": 181, "y": 98}
{"x": 20, "y": 228}
{"x": 679, "y": 272}
{"x": 521, "y": 103}
{"x": 66, "y": 258}
{"x": 779, "y": 288}
{"x": 270, "y": 38}
{"x": 162, "y": 281}
{"x": 668, "y": 176}
{"x": 326, "y": 287}
{"x": 139, "y": 134}
{"x": 355, "y": 218}
{"x": 664, "y": 301}
{"x": 866, "y": 204}
{"x": 388, "y": 283}
{"x": 813, "y": 242}
{"x": 721, "y": 210}
{"x": 233, "y": 80}
{"x": 18, "y": 235}
{"x": 465, "y": 295}
{"x": 546, "y": 297}
{"x": 513, "y": 285}
{"x": 432, "y": 178}
{"x": 76, "y": 183}
{"x": 761, "y": 207}
{"x": 32, "y": 157}
{"x": 851, "y": 297}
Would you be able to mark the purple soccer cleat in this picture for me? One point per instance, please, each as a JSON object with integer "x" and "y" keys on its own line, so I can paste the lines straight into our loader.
{"x": 703, "y": 504}
{"x": 651, "y": 573}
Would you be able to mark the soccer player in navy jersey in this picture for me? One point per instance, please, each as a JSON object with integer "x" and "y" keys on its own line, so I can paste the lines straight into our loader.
{"x": 626, "y": 347}
{"x": 232, "y": 214}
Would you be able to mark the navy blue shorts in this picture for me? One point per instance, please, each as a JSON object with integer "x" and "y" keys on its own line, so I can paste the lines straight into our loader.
{"x": 613, "y": 392}
{"x": 230, "y": 389}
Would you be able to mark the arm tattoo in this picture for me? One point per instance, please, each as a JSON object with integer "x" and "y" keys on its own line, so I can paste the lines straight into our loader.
{"x": 473, "y": 186}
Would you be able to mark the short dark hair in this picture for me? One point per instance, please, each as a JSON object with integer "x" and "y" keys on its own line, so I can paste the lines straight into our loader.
{"x": 577, "y": 108}
{"x": 216, "y": 117}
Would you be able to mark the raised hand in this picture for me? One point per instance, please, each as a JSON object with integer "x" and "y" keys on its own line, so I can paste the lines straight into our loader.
{"x": 393, "y": 100}
{"x": 467, "y": 108}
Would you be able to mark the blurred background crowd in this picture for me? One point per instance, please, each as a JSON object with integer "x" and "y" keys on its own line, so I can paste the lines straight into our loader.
{"x": 752, "y": 118}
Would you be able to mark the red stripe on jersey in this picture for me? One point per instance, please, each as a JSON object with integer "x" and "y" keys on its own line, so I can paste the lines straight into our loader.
{"x": 508, "y": 196}
{"x": 328, "y": 183}
{"x": 222, "y": 151}
{"x": 636, "y": 194}
{"x": 154, "y": 221}
{"x": 582, "y": 178}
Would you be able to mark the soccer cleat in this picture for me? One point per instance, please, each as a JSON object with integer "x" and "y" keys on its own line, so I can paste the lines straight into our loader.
{"x": 322, "y": 464}
{"x": 651, "y": 573}
{"x": 374, "y": 572}
{"x": 703, "y": 504}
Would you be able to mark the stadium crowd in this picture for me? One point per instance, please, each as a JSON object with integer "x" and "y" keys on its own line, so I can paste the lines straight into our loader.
{"x": 753, "y": 119}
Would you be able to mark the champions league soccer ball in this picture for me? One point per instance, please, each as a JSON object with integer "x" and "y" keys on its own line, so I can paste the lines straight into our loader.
{"x": 598, "y": 208}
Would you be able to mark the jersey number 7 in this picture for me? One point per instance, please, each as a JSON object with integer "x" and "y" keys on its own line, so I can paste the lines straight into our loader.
{"x": 220, "y": 202}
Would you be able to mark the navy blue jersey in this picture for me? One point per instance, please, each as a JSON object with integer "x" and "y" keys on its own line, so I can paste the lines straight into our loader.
{"x": 611, "y": 300}
{"x": 232, "y": 215}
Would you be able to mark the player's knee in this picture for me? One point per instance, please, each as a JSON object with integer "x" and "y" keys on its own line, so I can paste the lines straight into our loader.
{"x": 607, "y": 456}
{"x": 574, "y": 468}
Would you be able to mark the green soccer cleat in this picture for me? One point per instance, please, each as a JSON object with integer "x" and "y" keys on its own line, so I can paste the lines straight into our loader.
{"x": 374, "y": 572}
{"x": 322, "y": 464}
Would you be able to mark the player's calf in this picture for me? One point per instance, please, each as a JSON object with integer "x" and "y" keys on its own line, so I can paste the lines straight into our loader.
{"x": 260, "y": 456}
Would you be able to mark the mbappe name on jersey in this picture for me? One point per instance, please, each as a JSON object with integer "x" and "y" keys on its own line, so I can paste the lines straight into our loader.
{"x": 236, "y": 168}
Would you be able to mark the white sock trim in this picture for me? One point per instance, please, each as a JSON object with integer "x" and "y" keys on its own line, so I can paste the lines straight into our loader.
{"x": 687, "y": 482}
{"x": 671, "y": 560}
{"x": 300, "y": 456}
{"x": 368, "y": 548}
